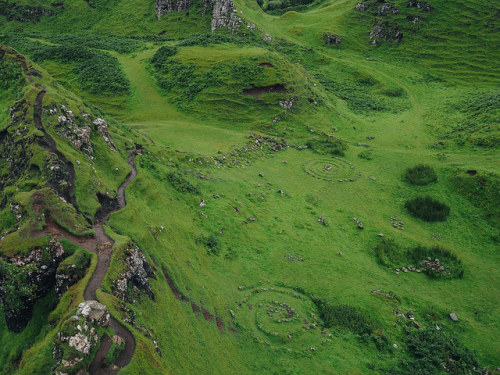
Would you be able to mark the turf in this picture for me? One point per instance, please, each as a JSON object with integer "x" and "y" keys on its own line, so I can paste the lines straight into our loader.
{"x": 239, "y": 227}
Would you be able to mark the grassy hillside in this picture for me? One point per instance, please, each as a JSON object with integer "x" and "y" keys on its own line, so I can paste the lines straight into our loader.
{"x": 275, "y": 181}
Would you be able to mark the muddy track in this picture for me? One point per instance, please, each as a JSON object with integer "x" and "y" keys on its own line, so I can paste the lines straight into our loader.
{"x": 103, "y": 251}
{"x": 101, "y": 245}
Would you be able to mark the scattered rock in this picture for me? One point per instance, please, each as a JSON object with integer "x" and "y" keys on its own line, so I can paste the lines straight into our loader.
{"x": 453, "y": 317}
{"x": 332, "y": 38}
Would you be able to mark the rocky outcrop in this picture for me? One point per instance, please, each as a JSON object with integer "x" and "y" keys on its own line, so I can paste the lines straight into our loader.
{"x": 23, "y": 13}
{"x": 332, "y": 38}
{"x": 225, "y": 15}
{"x": 79, "y": 130}
{"x": 134, "y": 280}
{"x": 102, "y": 128}
{"x": 79, "y": 337}
{"x": 42, "y": 264}
{"x": 388, "y": 28}
{"x": 77, "y": 134}
{"x": 16, "y": 146}
{"x": 385, "y": 31}
{"x": 421, "y": 5}
{"x": 168, "y": 6}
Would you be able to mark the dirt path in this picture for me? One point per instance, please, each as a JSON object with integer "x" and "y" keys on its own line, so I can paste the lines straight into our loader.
{"x": 104, "y": 251}
{"x": 101, "y": 245}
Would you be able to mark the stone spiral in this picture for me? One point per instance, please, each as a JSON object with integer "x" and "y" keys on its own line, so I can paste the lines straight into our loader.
{"x": 331, "y": 169}
{"x": 282, "y": 318}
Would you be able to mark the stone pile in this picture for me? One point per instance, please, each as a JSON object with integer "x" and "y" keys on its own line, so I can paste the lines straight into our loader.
{"x": 360, "y": 224}
{"x": 396, "y": 223}
{"x": 434, "y": 266}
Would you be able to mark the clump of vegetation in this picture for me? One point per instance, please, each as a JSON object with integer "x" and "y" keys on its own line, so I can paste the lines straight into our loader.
{"x": 345, "y": 316}
{"x": 181, "y": 184}
{"x": 427, "y": 208}
{"x": 96, "y": 71}
{"x": 73, "y": 268}
{"x": 278, "y": 7}
{"x": 211, "y": 38}
{"x": 359, "y": 96}
{"x": 431, "y": 351}
{"x": 394, "y": 92}
{"x": 435, "y": 262}
{"x": 15, "y": 285}
{"x": 421, "y": 174}
{"x": 367, "y": 155}
{"x": 334, "y": 146}
{"x": 162, "y": 56}
{"x": 10, "y": 71}
{"x": 114, "y": 352}
{"x": 121, "y": 44}
{"x": 210, "y": 242}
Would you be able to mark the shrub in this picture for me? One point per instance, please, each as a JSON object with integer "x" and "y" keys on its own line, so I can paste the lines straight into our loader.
{"x": 420, "y": 174}
{"x": 394, "y": 92}
{"x": 211, "y": 243}
{"x": 345, "y": 316}
{"x": 15, "y": 285}
{"x": 10, "y": 73}
{"x": 431, "y": 350}
{"x": 181, "y": 184}
{"x": 160, "y": 58}
{"x": 327, "y": 146}
{"x": 367, "y": 155}
{"x": 427, "y": 208}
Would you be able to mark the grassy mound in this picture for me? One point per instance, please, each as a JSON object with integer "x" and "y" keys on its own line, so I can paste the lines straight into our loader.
{"x": 427, "y": 208}
{"x": 230, "y": 82}
{"x": 475, "y": 120}
{"x": 482, "y": 189}
{"x": 435, "y": 262}
{"x": 420, "y": 174}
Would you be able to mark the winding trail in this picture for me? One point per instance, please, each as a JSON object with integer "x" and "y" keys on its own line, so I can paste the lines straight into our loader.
{"x": 101, "y": 245}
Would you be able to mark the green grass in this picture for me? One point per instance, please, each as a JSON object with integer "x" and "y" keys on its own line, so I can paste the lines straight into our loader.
{"x": 438, "y": 85}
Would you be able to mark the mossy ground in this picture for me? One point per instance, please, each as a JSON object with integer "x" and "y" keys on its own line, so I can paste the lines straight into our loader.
{"x": 402, "y": 105}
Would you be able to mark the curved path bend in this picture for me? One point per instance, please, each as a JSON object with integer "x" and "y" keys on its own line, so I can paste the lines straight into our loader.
{"x": 101, "y": 245}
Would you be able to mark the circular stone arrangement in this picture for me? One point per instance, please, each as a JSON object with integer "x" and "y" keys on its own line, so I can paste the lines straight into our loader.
{"x": 282, "y": 318}
{"x": 329, "y": 169}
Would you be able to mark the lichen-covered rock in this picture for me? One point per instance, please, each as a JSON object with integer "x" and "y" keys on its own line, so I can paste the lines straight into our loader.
{"x": 134, "y": 280}
{"x": 167, "y": 6}
{"x": 385, "y": 31}
{"x": 42, "y": 264}
{"x": 77, "y": 132}
{"x": 94, "y": 311}
{"x": 225, "y": 15}
{"x": 78, "y": 338}
{"x": 102, "y": 128}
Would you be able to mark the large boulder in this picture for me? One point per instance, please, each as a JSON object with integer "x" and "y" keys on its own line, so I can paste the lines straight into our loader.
{"x": 94, "y": 312}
